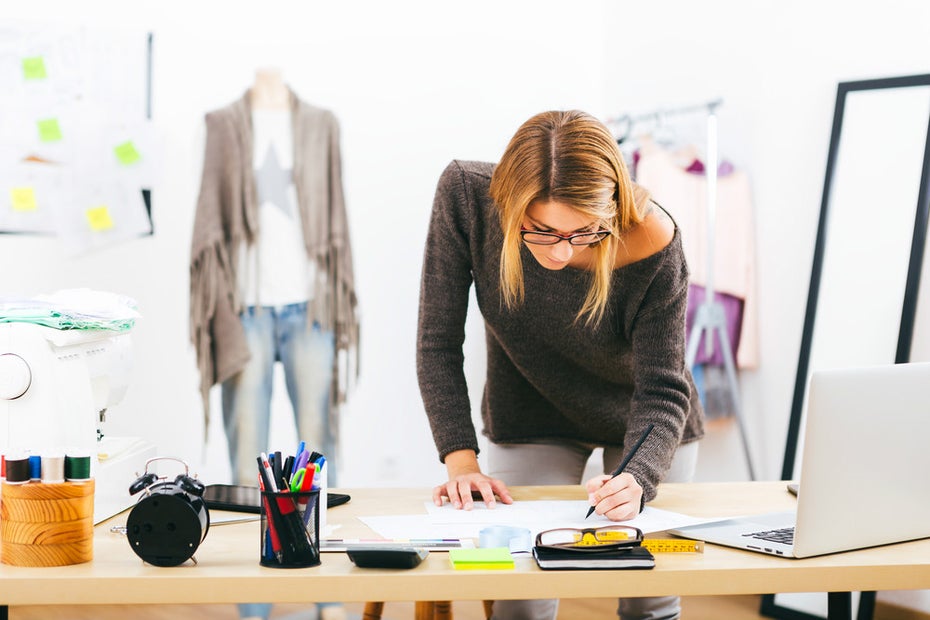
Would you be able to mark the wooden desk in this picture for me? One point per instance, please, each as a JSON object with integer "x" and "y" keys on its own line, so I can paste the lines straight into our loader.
{"x": 228, "y": 570}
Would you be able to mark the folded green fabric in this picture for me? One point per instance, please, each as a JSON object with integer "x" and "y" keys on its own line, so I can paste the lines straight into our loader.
{"x": 72, "y": 309}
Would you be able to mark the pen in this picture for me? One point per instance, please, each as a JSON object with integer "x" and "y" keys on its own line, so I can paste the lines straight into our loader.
{"x": 300, "y": 449}
{"x": 288, "y": 468}
{"x": 278, "y": 469}
{"x": 626, "y": 460}
{"x": 269, "y": 515}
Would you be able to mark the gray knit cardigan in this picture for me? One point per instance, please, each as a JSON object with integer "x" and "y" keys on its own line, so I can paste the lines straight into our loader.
{"x": 227, "y": 217}
{"x": 551, "y": 378}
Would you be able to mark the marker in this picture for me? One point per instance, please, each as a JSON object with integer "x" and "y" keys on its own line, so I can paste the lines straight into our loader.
{"x": 302, "y": 459}
{"x": 625, "y": 461}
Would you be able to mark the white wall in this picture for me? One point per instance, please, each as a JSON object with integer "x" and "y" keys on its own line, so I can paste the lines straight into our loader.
{"x": 416, "y": 83}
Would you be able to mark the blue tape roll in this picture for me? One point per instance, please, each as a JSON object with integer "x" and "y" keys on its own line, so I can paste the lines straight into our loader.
{"x": 517, "y": 539}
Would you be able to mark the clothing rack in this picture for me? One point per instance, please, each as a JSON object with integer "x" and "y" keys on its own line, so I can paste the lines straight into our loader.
{"x": 709, "y": 316}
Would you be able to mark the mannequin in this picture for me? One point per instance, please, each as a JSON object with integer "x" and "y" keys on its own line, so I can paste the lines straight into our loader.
{"x": 271, "y": 274}
{"x": 269, "y": 91}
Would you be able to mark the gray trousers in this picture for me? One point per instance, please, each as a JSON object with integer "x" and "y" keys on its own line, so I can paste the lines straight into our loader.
{"x": 564, "y": 463}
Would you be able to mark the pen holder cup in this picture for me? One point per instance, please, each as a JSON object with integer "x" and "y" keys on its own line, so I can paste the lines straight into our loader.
{"x": 290, "y": 530}
{"x": 47, "y": 524}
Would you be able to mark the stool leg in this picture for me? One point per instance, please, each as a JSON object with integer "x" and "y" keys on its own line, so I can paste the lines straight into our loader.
{"x": 373, "y": 611}
{"x": 488, "y": 609}
{"x": 423, "y": 610}
{"x": 443, "y": 610}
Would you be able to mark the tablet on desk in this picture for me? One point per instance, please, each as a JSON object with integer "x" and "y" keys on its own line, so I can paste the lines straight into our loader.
{"x": 243, "y": 498}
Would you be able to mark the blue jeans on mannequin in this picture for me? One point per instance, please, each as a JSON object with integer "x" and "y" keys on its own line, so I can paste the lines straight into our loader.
{"x": 278, "y": 334}
{"x": 564, "y": 463}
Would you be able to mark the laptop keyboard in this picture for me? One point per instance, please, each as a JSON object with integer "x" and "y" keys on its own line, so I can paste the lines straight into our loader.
{"x": 784, "y": 535}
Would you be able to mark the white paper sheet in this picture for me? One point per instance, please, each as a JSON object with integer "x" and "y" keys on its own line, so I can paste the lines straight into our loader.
{"x": 447, "y": 522}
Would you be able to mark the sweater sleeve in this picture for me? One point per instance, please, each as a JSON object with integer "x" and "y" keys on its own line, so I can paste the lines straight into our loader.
{"x": 445, "y": 282}
{"x": 662, "y": 390}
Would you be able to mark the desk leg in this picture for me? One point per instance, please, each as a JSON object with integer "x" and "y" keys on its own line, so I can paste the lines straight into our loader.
{"x": 866, "y": 606}
{"x": 839, "y": 606}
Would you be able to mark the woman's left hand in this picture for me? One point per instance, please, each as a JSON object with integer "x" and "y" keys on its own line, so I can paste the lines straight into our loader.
{"x": 618, "y": 498}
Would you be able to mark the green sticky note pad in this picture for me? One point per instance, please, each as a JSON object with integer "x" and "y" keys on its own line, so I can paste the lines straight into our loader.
{"x": 49, "y": 130}
{"x": 488, "y": 558}
{"x": 23, "y": 199}
{"x": 98, "y": 218}
{"x": 34, "y": 68}
{"x": 126, "y": 153}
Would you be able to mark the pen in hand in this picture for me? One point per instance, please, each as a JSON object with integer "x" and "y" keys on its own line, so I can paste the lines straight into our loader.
{"x": 625, "y": 461}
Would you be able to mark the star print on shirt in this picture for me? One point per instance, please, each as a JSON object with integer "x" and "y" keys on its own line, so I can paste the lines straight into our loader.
{"x": 272, "y": 181}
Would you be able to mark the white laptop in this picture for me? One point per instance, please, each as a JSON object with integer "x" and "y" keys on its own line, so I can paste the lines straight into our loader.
{"x": 865, "y": 469}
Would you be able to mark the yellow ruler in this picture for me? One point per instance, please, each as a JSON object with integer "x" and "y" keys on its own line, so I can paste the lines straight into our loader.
{"x": 673, "y": 545}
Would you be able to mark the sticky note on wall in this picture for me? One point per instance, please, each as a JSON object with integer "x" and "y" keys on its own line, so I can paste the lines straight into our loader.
{"x": 34, "y": 68}
{"x": 127, "y": 153}
{"x": 49, "y": 130}
{"x": 98, "y": 218}
{"x": 23, "y": 199}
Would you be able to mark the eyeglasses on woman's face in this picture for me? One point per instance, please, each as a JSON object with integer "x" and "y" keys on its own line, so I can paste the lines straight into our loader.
{"x": 537, "y": 237}
{"x": 591, "y": 539}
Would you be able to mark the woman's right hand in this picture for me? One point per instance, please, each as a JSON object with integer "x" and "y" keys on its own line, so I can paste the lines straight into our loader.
{"x": 465, "y": 477}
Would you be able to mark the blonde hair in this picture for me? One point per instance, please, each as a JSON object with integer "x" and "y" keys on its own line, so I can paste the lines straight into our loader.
{"x": 569, "y": 157}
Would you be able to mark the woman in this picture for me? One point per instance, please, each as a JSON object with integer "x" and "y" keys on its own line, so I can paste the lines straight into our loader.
{"x": 582, "y": 285}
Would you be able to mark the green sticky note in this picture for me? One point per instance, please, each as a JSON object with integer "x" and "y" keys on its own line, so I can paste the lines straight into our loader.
{"x": 23, "y": 199}
{"x": 98, "y": 218}
{"x": 49, "y": 130}
{"x": 34, "y": 68}
{"x": 482, "y": 558}
{"x": 126, "y": 153}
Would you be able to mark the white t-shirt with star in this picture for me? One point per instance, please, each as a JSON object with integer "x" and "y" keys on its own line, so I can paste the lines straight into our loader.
{"x": 275, "y": 271}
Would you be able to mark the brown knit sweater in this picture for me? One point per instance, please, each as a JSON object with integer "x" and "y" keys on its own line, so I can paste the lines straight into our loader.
{"x": 548, "y": 376}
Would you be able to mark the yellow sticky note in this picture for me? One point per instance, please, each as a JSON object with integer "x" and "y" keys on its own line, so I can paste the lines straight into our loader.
{"x": 34, "y": 68}
{"x": 99, "y": 218}
{"x": 23, "y": 199}
{"x": 126, "y": 153}
{"x": 482, "y": 558}
{"x": 49, "y": 130}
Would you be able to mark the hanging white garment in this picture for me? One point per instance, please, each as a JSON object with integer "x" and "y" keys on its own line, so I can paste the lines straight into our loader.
{"x": 684, "y": 195}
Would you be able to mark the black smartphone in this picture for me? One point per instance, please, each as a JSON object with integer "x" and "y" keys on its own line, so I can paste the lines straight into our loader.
{"x": 241, "y": 498}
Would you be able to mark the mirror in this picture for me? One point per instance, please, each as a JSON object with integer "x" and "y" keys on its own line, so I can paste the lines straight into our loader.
{"x": 870, "y": 237}
{"x": 861, "y": 306}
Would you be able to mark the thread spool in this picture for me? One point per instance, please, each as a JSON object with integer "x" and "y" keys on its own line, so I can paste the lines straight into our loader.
{"x": 77, "y": 468}
{"x": 53, "y": 468}
{"x": 17, "y": 469}
{"x": 35, "y": 467}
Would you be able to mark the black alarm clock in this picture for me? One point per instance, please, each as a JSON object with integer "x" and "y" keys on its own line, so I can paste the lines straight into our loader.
{"x": 170, "y": 519}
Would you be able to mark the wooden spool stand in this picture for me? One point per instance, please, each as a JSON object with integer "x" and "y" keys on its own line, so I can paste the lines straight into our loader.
{"x": 47, "y": 524}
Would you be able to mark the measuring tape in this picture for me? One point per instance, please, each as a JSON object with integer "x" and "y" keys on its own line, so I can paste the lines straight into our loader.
{"x": 673, "y": 545}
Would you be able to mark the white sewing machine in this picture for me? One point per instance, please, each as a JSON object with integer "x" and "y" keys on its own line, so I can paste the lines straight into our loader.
{"x": 55, "y": 389}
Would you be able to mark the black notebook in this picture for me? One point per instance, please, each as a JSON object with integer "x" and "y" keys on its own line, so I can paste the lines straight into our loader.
{"x": 614, "y": 559}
